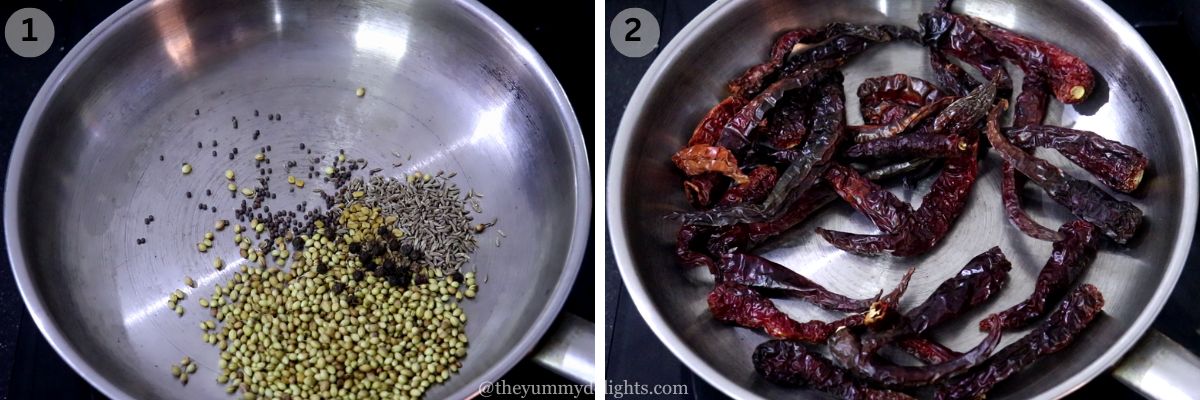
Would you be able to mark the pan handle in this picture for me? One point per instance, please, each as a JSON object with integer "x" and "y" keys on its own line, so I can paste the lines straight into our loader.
{"x": 569, "y": 349}
{"x": 1159, "y": 368}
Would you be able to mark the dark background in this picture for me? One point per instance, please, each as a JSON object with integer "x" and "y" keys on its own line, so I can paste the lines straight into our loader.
{"x": 1165, "y": 24}
{"x": 29, "y": 367}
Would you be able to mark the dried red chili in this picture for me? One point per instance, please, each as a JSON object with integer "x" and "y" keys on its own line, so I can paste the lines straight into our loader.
{"x": 791, "y": 363}
{"x": 964, "y": 113}
{"x": 709, "y": 129}
{"x": 736, "y": 133}
{"x": 746, "y": 236}
{"x": 923, "y": 145}
{"x": 926, "y": 350}
{"x": 1030, "y": 109}
{"x": 954, "y": 80}
{"x": 958, "y": 37}
{"x": 907, "y": 122}
{"x": 920, "y": 233}
{"x": 700, "y": 159}
{"x": 1116, "y": 218}
{"x": 1073, "y": 314}
{"x": 1071, "y": 255}
{"x": 887, "y": 212}
{"x": 760, "y": 181}
{"x": 786, "y": 125}
{"x": 853, "y": 40}
{"x": 741, "y": 305}
{"x": 847, "y": 351}
{"x": 690, "y": 244}
{"x": 1115, "y": 164}
{"x": 763, "y": 274}
{"x": 703, "y": 190}
{"x": 879, "y": 96}
{"x": 850, "y": 40}
{"x": 1069, "y": 77}
{"x": 902, "y": 168}
{"x": 981, "y": 278}
{"x": 827, "y": 133}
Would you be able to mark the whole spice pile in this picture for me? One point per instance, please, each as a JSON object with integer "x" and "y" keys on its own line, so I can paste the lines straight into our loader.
{"x": 778, "y": 149}
{"x": 355, "y": 299}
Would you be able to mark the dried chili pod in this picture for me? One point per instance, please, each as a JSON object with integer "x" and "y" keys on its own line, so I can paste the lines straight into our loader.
{"x": 926, "y": 350}
{"x": 1116, "y": 218}
{"x": 904, "y": 124}
{"x": 847, "y": 352}
{"x": 1071, "y": 255}
{"x": 709, "y": 129}
{"x": 1069, "y": 77}
{"x": 1030, "y": 109}
{"x": 958, "y": 37}
{"x": 819, "y": 47}
{"x": 921, "y": 145}
{"x": 965, "y": 112}
{"x": 759, "y": 182}
{"x": 690, "y": 244}
{"x": 898, "y": 89}
{"x": 1115, "y": 164}
{"x": 1030, "y": 106}
{"x": 1073, "y": 314}
{"x": 741, "y": 305}
{"x": 786, "y": 125}
{"x": 827, "y": 133}
{"x": 746, "y": 236}
{"x": 700, "y": 159}
{"x": 897, "y": 169}
{"x": 887, "y": 212}
{"x": 736, "y": 133}
{"x": 791, "y": 363}
{"x": 982, "y": 277}
{"x": 954, "y": 80}
{"x": 750, "y": 82}
{"x": 763, "y": 274}
{"x": 928, "y": 225}
{"x": 703, "y": 190}
{"x": 850, "y": 40}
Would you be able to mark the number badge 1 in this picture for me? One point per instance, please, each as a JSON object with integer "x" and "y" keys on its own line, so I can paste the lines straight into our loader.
{"x": 29, "y": 32}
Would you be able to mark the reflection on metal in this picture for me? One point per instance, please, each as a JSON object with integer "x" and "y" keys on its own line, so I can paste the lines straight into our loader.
{"x": 177, "y": 41}
{"x": 382, "y": 40}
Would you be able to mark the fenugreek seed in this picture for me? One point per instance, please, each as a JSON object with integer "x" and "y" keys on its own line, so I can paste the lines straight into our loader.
{"x": 260, "y": 157}
{"x": 176, "y": 371}
{"x": 248, "y": 192}
{"x": 208, "y": 235}
{"x": 202, "y": 247}
{"x": 179, "y": 310}
{"x": 191, "y": 368}
{"x": 187, "y": 168}
{"x": 187, "y": 280}
{"x": 360, "y": 92}
{"x": 218, "y": 263}
{"x": 291, "y": 179}
{"x": 229, "y": 174}
{"x": 328, "y": 171}
{"x": 300, "y": 183}
{"x": 220, "y": 224}
{"x": 232, "y": 187}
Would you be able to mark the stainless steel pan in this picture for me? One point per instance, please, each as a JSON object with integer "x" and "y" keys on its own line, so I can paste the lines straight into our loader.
{"x": 447, "y": 82}
{"x": 1136, "y": 103}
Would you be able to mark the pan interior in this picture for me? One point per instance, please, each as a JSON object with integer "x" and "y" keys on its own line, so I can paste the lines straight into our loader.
{"x": 1131, "y": 104}
{"x": 447, "y": 89}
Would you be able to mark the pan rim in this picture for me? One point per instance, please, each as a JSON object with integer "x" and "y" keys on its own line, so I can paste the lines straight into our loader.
{"x": 581, "y": 222}
{"x": 687, "y": 37}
